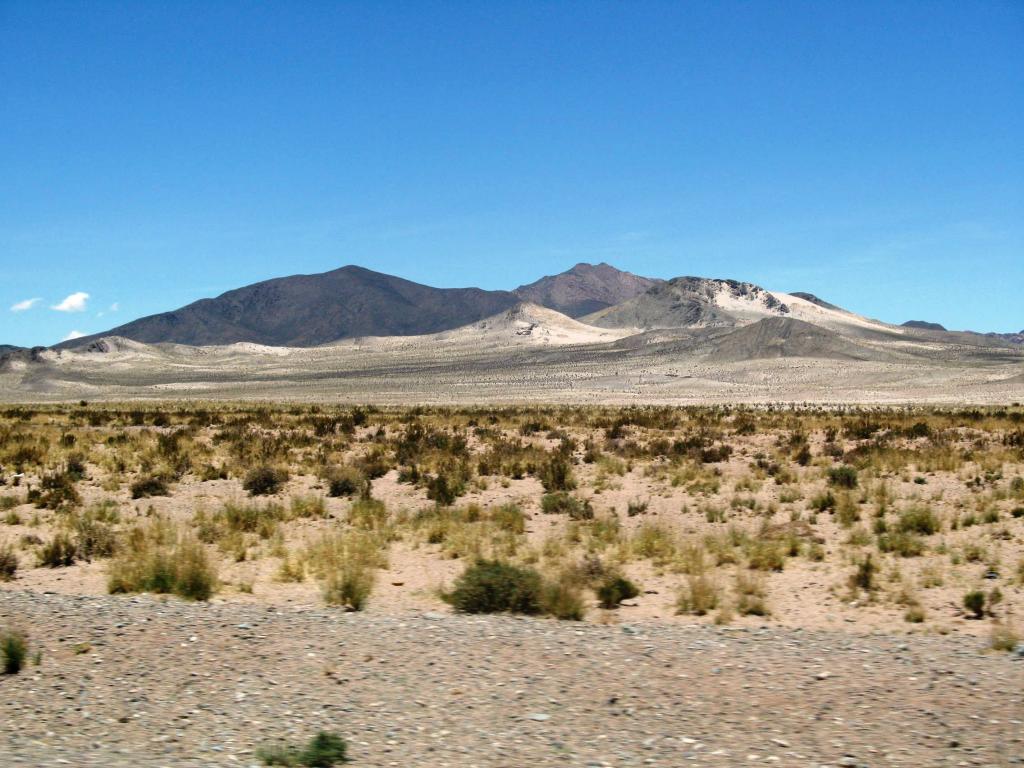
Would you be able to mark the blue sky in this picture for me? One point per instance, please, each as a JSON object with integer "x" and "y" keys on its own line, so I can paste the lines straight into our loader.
{"x": 155, "y": 153}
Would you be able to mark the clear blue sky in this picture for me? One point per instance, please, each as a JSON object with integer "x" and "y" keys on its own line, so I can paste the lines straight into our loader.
{"x": 155, "y": 153}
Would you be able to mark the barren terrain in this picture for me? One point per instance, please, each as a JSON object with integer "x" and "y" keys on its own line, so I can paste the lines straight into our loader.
{"x": 709, "y": 565}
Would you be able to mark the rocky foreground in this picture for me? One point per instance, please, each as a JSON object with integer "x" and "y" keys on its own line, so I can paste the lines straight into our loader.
{"x": 145, "y": 682}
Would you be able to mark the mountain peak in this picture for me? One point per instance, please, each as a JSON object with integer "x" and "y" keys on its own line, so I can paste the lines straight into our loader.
{"x": 585, "y": 288}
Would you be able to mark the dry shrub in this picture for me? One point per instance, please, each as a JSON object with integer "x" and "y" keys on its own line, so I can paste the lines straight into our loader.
{"x": 158, "y": 557}
{"x": 699, "y": 596}
{"x": 346, "y": 564}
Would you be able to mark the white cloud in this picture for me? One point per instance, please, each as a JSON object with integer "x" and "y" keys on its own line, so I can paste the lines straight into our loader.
{"x": 73, "y": 303}
{"x": 21, "y": 306}
{"x": 114, "y": 307}
{"x": 73, "y": 335}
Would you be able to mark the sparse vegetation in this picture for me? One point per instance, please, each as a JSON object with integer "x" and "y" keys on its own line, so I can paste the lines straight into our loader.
{"x": 707, "y": 504}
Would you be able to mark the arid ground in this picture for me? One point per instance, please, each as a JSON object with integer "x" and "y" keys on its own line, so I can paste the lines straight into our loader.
{"x": 723, "y": 585}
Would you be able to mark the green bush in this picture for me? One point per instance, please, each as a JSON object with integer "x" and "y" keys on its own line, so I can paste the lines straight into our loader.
{"x": 902, "y": 543}
{"x": 345, "y": 480}
{"x": 864, "y": 577}
{"x": 974, "y": 601}
{"x": 614, "y": 589}
{"x": 556, "y": 474}
{"x": 564, "y": 503}
{"x": 823, "y": 502}
{"x": 59, "y": 552}
{"x": 843, "y": 477}
{"x": 14, "y": 650}
{"x": 489, "y": 586}
{"x": 56, "y": 491}
{"x": 265, "y": 480}
{"x": 152, "y": 485}
{"x": 919, "y": 520}
{"x": 8, "y": 562}
{"x": 323, "y": 751}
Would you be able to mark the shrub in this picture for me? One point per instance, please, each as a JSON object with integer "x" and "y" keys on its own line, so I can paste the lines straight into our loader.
{"x": 56, "y": 491}
{"x": 918, "y": 520}
{"x": 346, "y": 481}
{"x": 368, "y": 515}
{"x": 251, "y": 518}
{"x": 8, "y": 562}
{"x": 843, "y": 477}
{"x": 60, "y": 552}
{"x": 556, "y": 474}
{"x": 307, "y": 506}
{"x": 14, "y": 650}
{"x": 636, "y": 507}
{"x": 346, "y": 565}
{"x": 560, "y": 598}
{"x": 265, "y": 480}
{"x": 766, "y": 555}
{"x": 489, "y": 586}
{"x": 1003, "y": 638}
{"x": 565, "y": 503}
{"x": 157, "y": 558}
{"x": 750, "y": 595}
{"x": 901, "y": 543}
{"x": 974, "y": 601}
{"x": 823, "y": 502}
{"x": 698, "y": 597}
{"x": 914, "y": 614}
{"x": 152, "y": 485}
{"x": 93, "y": 538}
{"x": 864, "y": 577}
{"x": 447, "y": 485}
{"x": 614, "y": 589}
{"x": 323, "y": 751}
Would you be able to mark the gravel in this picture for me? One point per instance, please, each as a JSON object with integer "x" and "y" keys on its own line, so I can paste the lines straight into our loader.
{"x": 139, "y": 681}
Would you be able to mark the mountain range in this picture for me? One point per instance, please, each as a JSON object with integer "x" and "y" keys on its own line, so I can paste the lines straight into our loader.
{"x": 353, "y": 302}
{"x": 591, "y": 334}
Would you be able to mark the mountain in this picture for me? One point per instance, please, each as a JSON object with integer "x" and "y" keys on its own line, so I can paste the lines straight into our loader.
{"x": 691, "y": 302}
{"x": 584, "y": 289}
{"x": 8, "y": 348}
{"x": 1013, "y": 338}
{"x": 924, "y": 325}
{"x": 308, "y": 310}
{"x": 700, "y": 302}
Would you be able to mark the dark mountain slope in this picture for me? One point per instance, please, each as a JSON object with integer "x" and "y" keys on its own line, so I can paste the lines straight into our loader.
{"x": 585, "y": 288}
{"x": 308, "y": 310}
{"x": 924, "y": 325}
{"x": 776, "y": 337}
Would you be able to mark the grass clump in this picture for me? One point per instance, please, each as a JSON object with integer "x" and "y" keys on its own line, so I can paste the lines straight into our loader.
{"x": 346, "y": 565}
{"x": 265, "y": 480}
{"x": 750, "y": 595}
{"x": 59, "y": 552}
{"x": 561, "y": 502}
{"x": 699, "y": 596}
{"x": 323, "y": 751}
{"x": 344, "y": 480}
{"x": 920, "y": 520}
{"x": 159, "y": 558}
{"x": 13, "y": 650}
{"x": 151, "y": 485}
{"x": 8, "y": 562}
